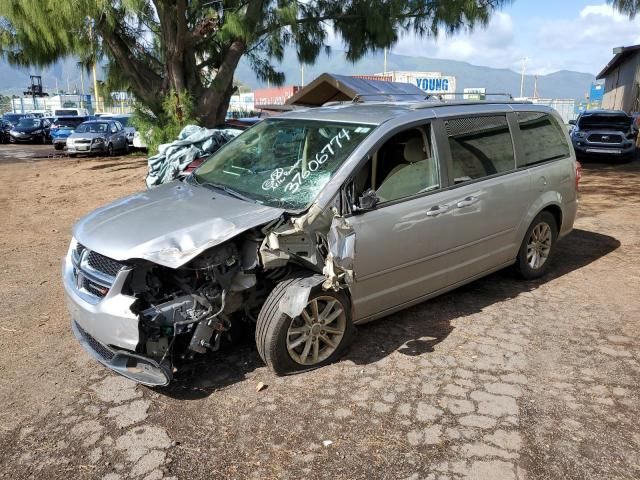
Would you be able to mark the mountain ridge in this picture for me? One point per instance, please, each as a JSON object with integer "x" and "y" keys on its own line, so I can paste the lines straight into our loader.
{"x": 564, "y": 84}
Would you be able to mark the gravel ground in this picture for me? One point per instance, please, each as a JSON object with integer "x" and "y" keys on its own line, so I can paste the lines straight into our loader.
{"x": 501, "y": 379}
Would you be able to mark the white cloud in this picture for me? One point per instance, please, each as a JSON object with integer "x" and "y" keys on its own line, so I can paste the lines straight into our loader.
{"x": 585, "y": 42}
{"x": 492, "y": 45}
{"x": 602, "y": 10}
{"x": 581, "y": 42}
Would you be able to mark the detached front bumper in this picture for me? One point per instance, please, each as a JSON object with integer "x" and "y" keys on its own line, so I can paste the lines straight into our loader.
{"x": 133, "y": 366}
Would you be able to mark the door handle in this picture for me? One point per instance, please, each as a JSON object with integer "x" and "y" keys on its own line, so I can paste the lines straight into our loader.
{"x": 467, "y": 202}
{"x": 435, "y": 211}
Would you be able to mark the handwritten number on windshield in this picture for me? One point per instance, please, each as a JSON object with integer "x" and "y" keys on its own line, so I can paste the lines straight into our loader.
{"x": 279, "y": 175}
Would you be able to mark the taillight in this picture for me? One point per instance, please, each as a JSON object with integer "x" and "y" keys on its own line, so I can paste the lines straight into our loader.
{"x": 578, "y": 174}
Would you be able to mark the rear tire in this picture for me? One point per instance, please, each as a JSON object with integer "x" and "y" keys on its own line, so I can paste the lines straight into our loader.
{"x": 318, "y": 337}
{"x": 537, "y": 247}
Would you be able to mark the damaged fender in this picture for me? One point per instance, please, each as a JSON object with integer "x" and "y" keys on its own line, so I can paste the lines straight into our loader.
{"x": 296, "y": 296}
{"x": 341, "y": 241}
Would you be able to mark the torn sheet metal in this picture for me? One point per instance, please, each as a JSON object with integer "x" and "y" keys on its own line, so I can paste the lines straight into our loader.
{"x": 341, "y": 242}
{"x": 296, "y": 296}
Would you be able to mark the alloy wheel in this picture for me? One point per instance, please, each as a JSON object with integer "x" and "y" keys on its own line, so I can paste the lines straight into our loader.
{"x": 316, "y": 334}
{"x": 539, "y": 245}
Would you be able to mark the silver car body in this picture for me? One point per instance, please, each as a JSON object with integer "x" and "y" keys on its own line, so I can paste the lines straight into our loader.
{"x": 98, "y": 142}
{"x": 387, "y": 258}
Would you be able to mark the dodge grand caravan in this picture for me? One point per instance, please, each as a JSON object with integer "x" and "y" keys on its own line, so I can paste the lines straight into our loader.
{"x": 314, "y": 221}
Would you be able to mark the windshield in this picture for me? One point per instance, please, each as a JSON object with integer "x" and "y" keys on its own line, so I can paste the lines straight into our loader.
{"x": 123, "y": 120}
{"x": 615, "y": 122}
{"x": 29, "y": 123}
{"x": 93, "y": 128}
{"x": 283, "y": 162}
{"x": 68, "y": 122}
{"x": 66, "y": 112}
{"x": 13, "y": 118}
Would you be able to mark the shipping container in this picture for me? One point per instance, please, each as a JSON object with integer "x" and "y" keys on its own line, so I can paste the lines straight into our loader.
{"x": 430, "y": 82}
{"x": 274, "y": 95}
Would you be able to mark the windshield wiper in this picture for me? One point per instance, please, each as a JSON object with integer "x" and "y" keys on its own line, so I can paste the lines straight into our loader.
{"x": 228, "y": 190}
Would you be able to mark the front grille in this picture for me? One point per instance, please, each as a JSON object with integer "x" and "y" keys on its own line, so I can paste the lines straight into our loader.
{"x": 103, "y": 351}
{"x": 93, "y": 273}
{"x": 604, "y": 138}
{"x": 103, "y": 264}
{"x": 77, "y": 252}
{"x": 94, "y": 288}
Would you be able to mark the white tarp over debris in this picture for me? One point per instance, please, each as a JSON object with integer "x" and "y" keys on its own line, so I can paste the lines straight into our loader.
{"x": 193, "y": 142}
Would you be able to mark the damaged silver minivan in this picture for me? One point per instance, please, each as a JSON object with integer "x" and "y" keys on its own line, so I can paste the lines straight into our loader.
{"x": 314, "y": 221}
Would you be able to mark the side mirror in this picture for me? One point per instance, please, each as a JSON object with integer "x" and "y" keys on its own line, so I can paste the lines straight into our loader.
{"x": 367, "y": 201}
{"x": 572, "y": 122}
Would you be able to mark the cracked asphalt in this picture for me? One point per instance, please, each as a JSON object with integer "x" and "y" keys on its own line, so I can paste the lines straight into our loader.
{"x": 501, "y": 379}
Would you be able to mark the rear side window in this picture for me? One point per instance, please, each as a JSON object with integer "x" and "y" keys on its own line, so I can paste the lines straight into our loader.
{"x": 542, "y": 138}
{"x": 480, "y": 147}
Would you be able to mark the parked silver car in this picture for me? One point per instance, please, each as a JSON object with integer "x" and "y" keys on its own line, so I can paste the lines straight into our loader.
{"x": 98, "y": 136}
{"x": 314, "y": 221}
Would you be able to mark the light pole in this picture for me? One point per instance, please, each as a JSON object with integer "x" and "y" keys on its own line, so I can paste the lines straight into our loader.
{"x": 524, "y": 67}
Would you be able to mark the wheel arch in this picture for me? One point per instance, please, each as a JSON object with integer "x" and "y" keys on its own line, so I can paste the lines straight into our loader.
{"x": 556, "y": 211}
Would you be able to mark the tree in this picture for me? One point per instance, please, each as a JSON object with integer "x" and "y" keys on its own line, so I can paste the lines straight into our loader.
{"x": 154, "y": 47}
{"x": 628, "y": 7}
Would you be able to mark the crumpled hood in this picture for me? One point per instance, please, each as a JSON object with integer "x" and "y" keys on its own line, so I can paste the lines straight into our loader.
{"x": 169, "y": 225}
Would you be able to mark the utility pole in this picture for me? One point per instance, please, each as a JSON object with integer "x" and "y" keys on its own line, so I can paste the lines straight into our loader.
{"x": 524, "y": 67}
{"x": 82, "y": 87}
{"x": 302, "y": 75}
{"x": 385, "y": 61}
{"x": 93, "y": 67}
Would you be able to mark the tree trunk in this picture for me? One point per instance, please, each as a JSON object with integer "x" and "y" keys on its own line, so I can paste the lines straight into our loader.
{"x": 212, "y": 103}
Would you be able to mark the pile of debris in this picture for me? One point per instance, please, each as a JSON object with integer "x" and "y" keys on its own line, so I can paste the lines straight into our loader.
{"x": 193, "y": 143}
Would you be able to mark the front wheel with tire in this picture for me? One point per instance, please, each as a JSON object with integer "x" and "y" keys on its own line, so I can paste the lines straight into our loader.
{"x": 110, "y": 150}
{"x": 317, "y": 337}
{"x": 537, "y": 247}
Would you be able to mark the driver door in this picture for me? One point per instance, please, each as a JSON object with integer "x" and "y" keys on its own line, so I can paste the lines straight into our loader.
{"x": 399, "y": 243}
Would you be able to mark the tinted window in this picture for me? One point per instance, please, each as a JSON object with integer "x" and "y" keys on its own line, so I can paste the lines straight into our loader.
{"x": 542, "y": 138}
{"x": 480, "y": 146}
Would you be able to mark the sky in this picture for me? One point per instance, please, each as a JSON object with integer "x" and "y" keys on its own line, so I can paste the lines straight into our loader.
{"x": 554, "y": 35}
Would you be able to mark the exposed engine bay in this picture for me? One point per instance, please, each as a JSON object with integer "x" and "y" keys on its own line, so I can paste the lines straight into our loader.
{"x": 193, "y": 309}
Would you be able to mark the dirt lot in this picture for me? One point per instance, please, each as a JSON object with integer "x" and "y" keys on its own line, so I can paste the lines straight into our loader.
{"x": 501, "y": 379}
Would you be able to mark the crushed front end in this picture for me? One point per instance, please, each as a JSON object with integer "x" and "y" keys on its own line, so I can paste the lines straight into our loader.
{"x": 141, "y": 319}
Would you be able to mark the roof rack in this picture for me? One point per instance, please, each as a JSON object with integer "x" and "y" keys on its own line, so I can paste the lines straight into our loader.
{"x": 358, "y": 96}
{"x": 440, "y": 95}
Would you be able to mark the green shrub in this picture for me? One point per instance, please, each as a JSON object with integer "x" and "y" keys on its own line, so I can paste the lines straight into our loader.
{"x": 155, "y": 130}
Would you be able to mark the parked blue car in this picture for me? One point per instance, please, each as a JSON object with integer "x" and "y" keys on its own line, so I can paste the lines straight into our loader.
{"x": 62, "y": 127}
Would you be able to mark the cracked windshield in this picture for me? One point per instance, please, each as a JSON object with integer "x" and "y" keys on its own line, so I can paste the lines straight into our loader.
{"x": 282, "y": 163}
